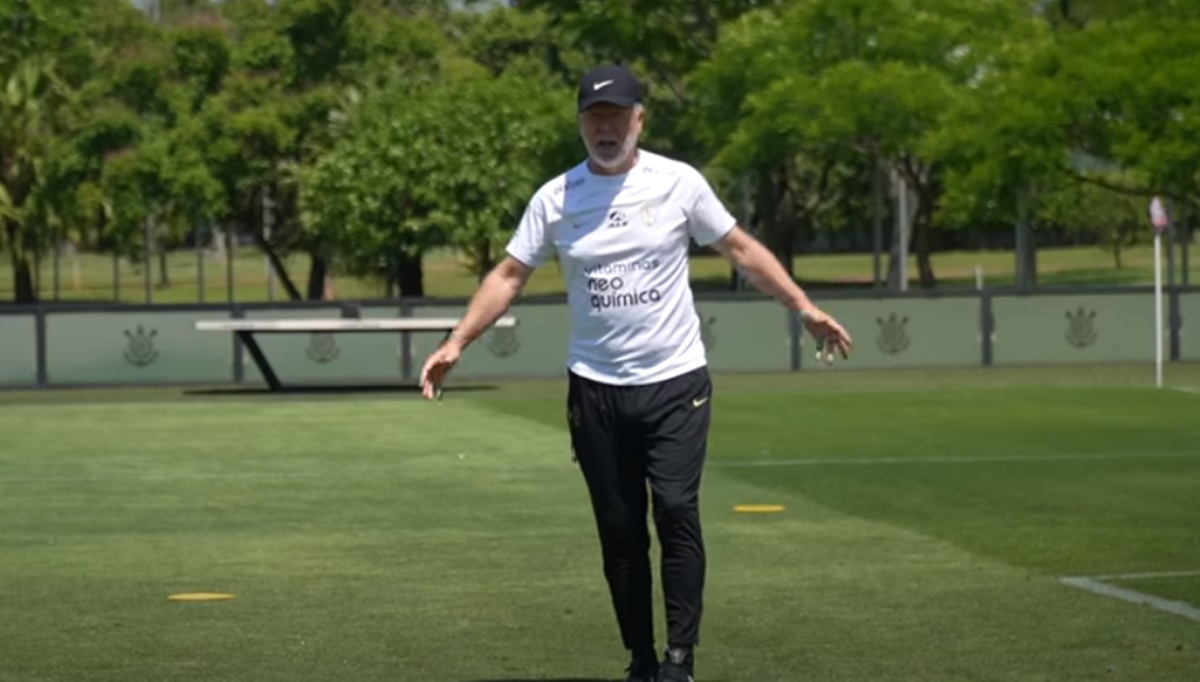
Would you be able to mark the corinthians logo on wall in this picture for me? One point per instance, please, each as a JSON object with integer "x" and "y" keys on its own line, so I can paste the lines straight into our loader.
{"x": 503, "y": 341}
{"x": 322, "y": 348}
{"x": 1081, "y": 329}
{"x": 140, "y": 350}
{"x": 893, "y": 337}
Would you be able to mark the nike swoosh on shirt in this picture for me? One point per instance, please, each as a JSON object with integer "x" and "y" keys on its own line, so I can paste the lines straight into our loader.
{"x": 697, "y": 402}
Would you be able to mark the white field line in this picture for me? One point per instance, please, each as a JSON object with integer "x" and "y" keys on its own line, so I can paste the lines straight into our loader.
{"x": 1178, "y": 608}
{"x": 805, "y": 390}
{"x": 987, "y": 459}
{"x": 222, "y": 476}
{"x": 400, "y": 470}
{"x": 1146, "y": 576}
{"x": 1186, "y": 389}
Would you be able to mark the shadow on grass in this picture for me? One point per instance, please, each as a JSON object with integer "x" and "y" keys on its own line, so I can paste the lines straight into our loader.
{"x": 553, "y": 679}
{"x": 333, "y": 389}
{"x": 556, "y": 679}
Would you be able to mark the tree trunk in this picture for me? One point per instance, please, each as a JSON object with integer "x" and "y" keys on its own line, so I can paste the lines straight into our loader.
{"x": 776, "y": 232}
{"x": 164, "y": 279}
{"x": 736, "y": 279}
{"x": 23, "y": 289}
{"x": 1116, "y": 250}
{"x": 23, "y": 280}
{"x": 877, "y": 214}
{"x": 923, "y": 238}
{"x": 318, "y": 271}
{"x": 1026, "y": 247}
{"x": 483, "y": 258}
{"x": 924, "y": 253}
{"x": 789, "y": 219}
{"x": 903, "y": 231}
{"x": 785, "y": 250}
{"x": 410, "y": 274}
{"x": 893, "y": 269}
{"x": 280, "y": 269}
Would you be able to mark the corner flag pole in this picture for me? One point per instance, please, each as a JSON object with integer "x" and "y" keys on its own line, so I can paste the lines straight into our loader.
{"x": 1160, "y": 220}
{"x": 1158, "y": 310}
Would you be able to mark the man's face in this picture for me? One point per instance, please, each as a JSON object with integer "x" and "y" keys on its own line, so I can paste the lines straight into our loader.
{"x": 611, "y": 132}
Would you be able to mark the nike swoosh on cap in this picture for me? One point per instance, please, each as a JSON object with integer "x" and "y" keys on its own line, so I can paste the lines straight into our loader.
{"x": 601, "y": 84}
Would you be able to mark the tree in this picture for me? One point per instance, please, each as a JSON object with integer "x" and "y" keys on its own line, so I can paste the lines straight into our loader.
{"x": 47, "y": 61}
{"x": 1117, "y": 220}
{"x": 452, "y": 165}
{"x": 849, "y": 83}
{"x": 1134, "y": 77}
{"x": 299, "y": 68}
{"x": 1100, "y": 95}
{"x": 29, "y": 121}
{"x": 662, "y": 40}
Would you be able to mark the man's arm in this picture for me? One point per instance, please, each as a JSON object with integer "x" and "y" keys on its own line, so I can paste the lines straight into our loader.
{"x": 496, "y": 293}
{"x": 763, "y": 269}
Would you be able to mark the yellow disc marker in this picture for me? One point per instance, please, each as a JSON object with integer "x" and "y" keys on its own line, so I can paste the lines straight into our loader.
{"x": 758, "y": 508}
{"x": 200, "y": 596}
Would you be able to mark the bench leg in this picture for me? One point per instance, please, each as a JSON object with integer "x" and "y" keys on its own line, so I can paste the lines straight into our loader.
{"x": 260, "y": 360}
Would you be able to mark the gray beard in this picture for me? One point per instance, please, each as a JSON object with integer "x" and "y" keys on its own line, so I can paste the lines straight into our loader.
{"x": 627, "y": 148}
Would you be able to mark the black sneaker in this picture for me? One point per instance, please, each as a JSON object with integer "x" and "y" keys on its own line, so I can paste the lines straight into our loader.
{"x": 642, "y": 670}
{"x": 676, "y": 666}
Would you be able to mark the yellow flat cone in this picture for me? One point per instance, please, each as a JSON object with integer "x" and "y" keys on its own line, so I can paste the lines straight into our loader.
{"x": 200, "y": 596}
{"x": 758, "y": 508}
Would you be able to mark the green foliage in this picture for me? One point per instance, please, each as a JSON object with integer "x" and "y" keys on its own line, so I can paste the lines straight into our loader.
{"x": 108, "y": 118}
{"x": 874, "y": 77}
{"x": 1010, "y": 132}
{"x": 524, "y": 43}
{"x": 663, "y": 40}
{"x": 835, "y": 87}
{"x": 451, "y": 165}
{"x": 1115, "y": 83}
{"x": 1118, "y": 220}
{"x": 1140, "y": 93}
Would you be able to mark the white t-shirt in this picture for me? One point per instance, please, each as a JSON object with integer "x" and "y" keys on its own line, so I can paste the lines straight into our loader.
{"x": 622, "y": 241}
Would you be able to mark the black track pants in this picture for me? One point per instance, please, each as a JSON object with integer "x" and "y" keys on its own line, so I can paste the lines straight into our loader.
{"x": 625, "y": 437}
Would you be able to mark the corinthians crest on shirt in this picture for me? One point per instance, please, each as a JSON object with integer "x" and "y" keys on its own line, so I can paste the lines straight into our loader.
{"x": 649, "y": 213}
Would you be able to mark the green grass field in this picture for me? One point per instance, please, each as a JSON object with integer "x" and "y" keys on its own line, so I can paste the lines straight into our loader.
{"x": 90, "y": 277}
{"x": 929, "y": 517}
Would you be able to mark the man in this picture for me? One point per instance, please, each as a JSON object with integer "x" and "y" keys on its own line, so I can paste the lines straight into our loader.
{"x": 639, "y": 394}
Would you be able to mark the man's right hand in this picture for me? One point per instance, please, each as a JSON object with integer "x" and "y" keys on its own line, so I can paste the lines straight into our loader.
{"x": 495, "y": 294}
{"x": 437, "y": 366}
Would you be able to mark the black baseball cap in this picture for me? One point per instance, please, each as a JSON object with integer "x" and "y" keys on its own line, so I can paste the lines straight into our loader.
{"x": 612, "y": 83}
